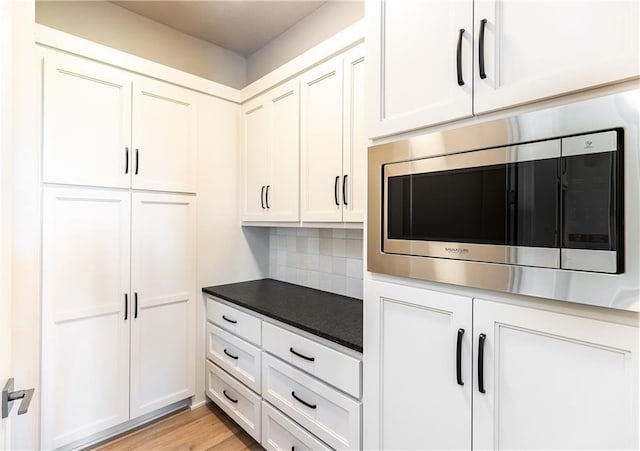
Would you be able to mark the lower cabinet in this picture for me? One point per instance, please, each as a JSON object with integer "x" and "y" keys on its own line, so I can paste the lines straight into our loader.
{"x": 518, "y": 377}
{"x": 293, "y": 393}
{"x": 118, "y": 293}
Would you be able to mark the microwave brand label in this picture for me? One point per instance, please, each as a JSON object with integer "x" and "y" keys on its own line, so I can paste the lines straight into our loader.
{"x": 457, "y": 250}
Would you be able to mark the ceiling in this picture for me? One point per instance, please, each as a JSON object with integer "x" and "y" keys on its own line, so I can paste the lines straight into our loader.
{"x": 243, "y": 26}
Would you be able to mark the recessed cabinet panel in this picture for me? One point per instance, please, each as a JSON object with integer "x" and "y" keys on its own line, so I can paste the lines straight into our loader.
{"x": 255, "y": 124}
{"x": 554, "y": 381}
{"x": 85, "y": 278}
{"x": 321, "y": 143}
{"x": 86, "y": 123}
{"x": 414, "y": 63}
{"x": 163, "y": 295}
{"x": 164, "y": 137}
{"x": 534, "y": 50}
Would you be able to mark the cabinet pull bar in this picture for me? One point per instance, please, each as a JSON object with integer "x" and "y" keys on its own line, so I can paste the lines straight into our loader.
{"x": 335, "y": 190}
{"x": 266, "y": 196}
{"x": 135, "y": 309}
{"x": 262, "y": 197}
{"x": 126, "y": 306}
{"x": 481, "y": 339}
{"x": 459, "y": 58}
{"x": 344, "y": 189}
{"x": 483, "y": 74}
{"x": 310, "y": 359}
{"x": 137, "y": 162}
{"x": 232, "y": 321}
{"x": 126, "y": 160}
{"x": 311, "y": 406}
{"x": 235, "y": 357}
{"x": 459, "y": 357}
{"x": 235, "y": 401}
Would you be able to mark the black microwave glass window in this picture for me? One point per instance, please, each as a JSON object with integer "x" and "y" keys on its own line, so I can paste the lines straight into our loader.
{"x": 513, "y": 204}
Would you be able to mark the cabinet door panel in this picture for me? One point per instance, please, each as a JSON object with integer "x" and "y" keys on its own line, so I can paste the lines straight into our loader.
{"x": 86, "y": 123}
{"x": 355, "y": 143}
{"x": 164, "y": 137}
{"x": 163, "y": 282}
{"x": 538, "y": 49}
{"x": 413, "y": 397}
{"x": 255, "y": 130}
{"x": 554, "y": 381}
{"x": 413, "y": 69}
{"x": 85, "y": 276}
{"x": 283, "y": 197}
{"x": 321, "y": 143}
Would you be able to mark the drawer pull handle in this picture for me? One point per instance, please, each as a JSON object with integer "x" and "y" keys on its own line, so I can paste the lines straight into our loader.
{"x": 310, "y": 359}
{"x": 230, "y": 355}
{"x": 311, "y": 406}
{"x": 232, "y": 321}
{"x": 235, "y": 401}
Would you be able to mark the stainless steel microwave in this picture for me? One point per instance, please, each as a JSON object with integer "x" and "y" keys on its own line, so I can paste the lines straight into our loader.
{"x": 537, "y": 204}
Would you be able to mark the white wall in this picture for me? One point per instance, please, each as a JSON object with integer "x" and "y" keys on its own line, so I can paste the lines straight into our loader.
{"x": 113, "y": 26}
{"x": 323, "y": 23}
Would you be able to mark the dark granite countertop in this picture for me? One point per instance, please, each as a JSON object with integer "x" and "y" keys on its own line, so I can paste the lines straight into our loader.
{"x": 327, "y": 315}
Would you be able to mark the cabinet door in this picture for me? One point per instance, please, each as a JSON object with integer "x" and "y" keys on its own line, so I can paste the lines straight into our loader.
{"x": 255, "y": 131}
{"x": 413, "y": 396}
{"x": 538, "y": 49}
{"x": 413, "y": 63}
{"x": 321, "y": 143}
{"x": 164, "y": 137}
{"x": 163, "y": 283}
{"x": 85, "y": 326}
{"x": 282, "y": 196}
{"x": 554, "y": 381}
{"x": 354, "y": 161}
{"x": 86, "y": 123}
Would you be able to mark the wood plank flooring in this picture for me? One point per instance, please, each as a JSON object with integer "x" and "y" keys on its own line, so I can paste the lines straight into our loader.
{"x": 204, "y": 428}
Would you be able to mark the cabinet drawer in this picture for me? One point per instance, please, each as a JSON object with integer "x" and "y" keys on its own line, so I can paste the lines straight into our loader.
{"x": 280, "y": 433}
{"x": 235, "y": 399}
{"x": 236, "y": 356}
{"x": 324, "y": 411}
{"x": 234, "y": 320}
{"x": 333, "y": 367}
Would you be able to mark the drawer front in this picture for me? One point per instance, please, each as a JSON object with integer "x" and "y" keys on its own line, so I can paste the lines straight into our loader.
{"x": 280, "y": 433}
{"x": 234, "y": 320}
{"x": 236, "y": 356}
{"x": 333, "y": 367}
{"x": 235, "y": 399}
{"x": 324, "y": 411}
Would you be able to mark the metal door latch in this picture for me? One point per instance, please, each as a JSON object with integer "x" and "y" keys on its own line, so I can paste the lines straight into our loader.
{"x": 8, "y": 396}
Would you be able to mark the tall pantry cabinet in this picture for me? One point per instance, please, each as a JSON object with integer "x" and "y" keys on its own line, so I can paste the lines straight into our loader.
{"x": 118, "y": 264}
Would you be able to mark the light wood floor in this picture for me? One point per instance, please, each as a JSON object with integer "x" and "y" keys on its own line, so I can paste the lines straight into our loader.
{"x": 204, "y": 428}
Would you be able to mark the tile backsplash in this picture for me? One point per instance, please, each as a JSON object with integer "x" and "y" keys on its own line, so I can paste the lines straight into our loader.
{"x": 327, "y": 259}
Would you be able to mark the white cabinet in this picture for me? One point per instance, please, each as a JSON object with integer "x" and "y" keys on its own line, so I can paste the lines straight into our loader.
{"x": 163, "y": 247}
{"x": 164, "y": 137}
{"x": 510, "y": 53}
{"x": 333, "y": 146}
{"x": 86, "y": 123}
{"x": 271, "y": 155}
{"x": 106, "y": 127}
{"x": 534, "y": 50}
{"x": 554, "y": 381}
{"x": 85, "y": 327}
{"x": 416, "y": 342}
{"x": 413, "y": 63}
{"x": 538, "y": 379}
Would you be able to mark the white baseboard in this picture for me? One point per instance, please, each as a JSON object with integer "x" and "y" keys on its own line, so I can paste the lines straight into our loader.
{"x": 199, "y": 404}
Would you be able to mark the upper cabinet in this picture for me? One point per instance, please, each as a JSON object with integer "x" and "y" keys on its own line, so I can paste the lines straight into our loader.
{"x": 271, "y": 143}
{"x": 109, "y": 128}
{"x": 333, "y": 144}
{"x": 423, "y": 54}
{"x": 164, "y": 143}
{"x": 420, "y": 56}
